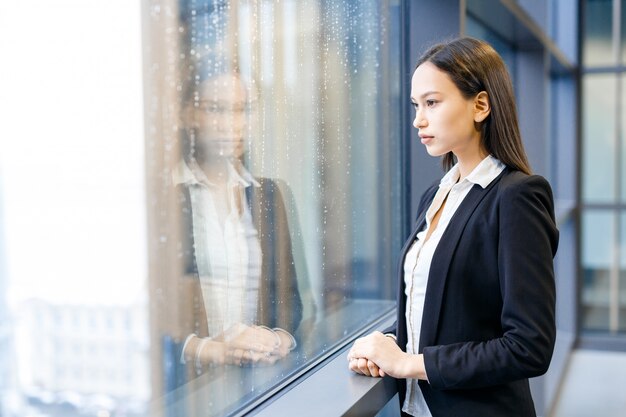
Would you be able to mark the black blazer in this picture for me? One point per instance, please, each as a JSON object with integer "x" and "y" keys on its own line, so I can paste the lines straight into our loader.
{"x": 488, "y": 322}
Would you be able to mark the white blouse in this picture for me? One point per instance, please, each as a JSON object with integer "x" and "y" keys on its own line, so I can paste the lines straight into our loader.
{"x": 419, "y": 257}
{"x": 227, "y": 247}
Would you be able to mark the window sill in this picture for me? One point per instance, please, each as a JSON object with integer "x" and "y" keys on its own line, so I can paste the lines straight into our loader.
{"x": 333, "y": 390}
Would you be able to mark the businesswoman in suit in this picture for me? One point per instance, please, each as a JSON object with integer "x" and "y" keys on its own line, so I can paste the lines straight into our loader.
{"x": 476, "y": 292}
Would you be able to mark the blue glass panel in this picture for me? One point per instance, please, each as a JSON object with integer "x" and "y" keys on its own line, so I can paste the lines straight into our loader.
{"x": 598, "y": 229}
{"x": 598, "y": 33}
{"x": 599, "y": 128}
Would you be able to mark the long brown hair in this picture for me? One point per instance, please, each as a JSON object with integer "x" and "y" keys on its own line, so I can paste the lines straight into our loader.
{"x": 474, "y": 66}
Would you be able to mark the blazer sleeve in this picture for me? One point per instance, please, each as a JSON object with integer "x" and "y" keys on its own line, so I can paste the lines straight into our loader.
{"x": 528, "y": 240}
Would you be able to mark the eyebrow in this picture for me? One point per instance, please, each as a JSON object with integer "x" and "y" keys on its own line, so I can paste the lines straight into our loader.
{"x": 425, "y": 94}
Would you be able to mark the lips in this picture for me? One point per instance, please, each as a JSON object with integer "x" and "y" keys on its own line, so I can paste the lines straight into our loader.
{"x": 425, "y": 138}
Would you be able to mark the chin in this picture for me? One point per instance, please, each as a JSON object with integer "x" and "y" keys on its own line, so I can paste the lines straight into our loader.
{"x": 432, "y": 151}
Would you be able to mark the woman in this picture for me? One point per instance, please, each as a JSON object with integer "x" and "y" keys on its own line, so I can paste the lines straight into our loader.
{"x": 476, "y": 294}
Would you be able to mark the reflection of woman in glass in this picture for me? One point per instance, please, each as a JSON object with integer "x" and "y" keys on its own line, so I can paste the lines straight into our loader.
{"x": 476, "y": 300}
{"x": 237, "y": 237}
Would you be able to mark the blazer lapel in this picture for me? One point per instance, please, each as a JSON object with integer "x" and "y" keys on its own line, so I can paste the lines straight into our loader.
{"x": 443, "y": 256}
{"x": 420, "y": 222}
{"x": 419, "y": 225}
{"x": 401, "y": 299}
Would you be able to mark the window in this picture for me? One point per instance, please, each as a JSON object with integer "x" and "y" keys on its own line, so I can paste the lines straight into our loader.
{"x": 207, "y": 168}
{"x": 274, "y": 137}
{"x": 603, "y": 167}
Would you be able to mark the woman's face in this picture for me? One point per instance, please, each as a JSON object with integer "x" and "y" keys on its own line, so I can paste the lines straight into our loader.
{"x": 218, "y": 117}
{"x": 444, "y": 118}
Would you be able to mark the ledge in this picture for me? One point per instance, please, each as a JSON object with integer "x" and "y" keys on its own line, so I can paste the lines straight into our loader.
{"x": 333, "y": 390}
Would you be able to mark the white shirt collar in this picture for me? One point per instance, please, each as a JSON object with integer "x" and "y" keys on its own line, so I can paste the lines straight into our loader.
{"x": 191, "y": 174}
{"x": 485, "y": 172}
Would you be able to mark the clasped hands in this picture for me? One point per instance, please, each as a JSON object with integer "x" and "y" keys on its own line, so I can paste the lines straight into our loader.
{"x": 241, "y": 345}
{"x": 378, "y": 355}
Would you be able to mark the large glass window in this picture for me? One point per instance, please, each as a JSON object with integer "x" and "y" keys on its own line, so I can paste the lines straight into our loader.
{"x": 197, "y": 204}
{"x": 277, "y": 218}
{"x": 603, "y": 167}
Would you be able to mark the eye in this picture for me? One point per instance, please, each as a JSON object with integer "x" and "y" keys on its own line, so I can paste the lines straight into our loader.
{"x": 430, "y": 103}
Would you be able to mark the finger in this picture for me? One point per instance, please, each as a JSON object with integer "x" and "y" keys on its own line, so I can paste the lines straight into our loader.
{"x": 360, "y": 351}
{"x": 362, "y": 365}
{"x": 353, "y": 365}
{"x": 351, "y": 354}
{"x": 373, "y": 369}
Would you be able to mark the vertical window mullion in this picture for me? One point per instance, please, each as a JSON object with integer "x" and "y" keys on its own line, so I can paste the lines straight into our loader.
{"x": 614, "y": 275}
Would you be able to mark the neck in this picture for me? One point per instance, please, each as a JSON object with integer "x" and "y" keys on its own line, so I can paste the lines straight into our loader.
{"x": 469, "y": 160}
{"x": 216, "y": 169}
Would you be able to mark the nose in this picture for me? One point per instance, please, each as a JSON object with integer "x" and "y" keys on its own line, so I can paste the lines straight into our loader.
{"x": 419, "y": 121}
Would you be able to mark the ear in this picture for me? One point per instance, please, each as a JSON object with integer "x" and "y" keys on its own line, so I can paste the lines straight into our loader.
{"x": 482, "y": 107}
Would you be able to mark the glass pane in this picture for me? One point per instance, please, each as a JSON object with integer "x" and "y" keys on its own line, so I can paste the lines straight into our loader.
{"x": 622, "y": 176}
{"x": 598, "y": 151}
{"x": 598, "y": 228}
{"x": 598, "y": 33}
{"x": 197, "y": 237}
{"x": 622, "y": 275}
{"x": 285, "y": 135}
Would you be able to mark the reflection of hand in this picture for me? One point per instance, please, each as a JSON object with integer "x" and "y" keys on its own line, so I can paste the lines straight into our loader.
{"x": 251, "y": 345}
{"x": 243, "y": 344}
